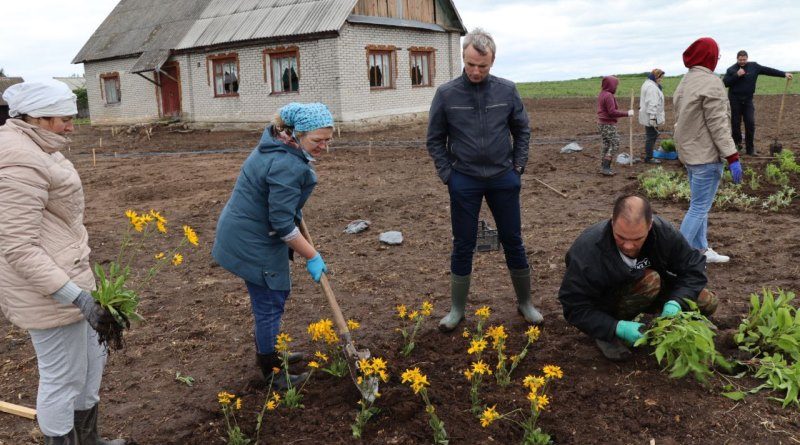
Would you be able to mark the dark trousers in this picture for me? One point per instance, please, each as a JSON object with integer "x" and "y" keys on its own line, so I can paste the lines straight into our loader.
{"x": 651, "y": 134}
{"x": 502, "y": 196}
{"x": 743, "y": 107}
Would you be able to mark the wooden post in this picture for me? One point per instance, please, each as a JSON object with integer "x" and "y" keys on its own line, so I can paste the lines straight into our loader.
{"x": 94, "y": 158}
{"x": 370, "y": 147}
{"x": 630, "y": 130}
{"x": 17, "y": 410}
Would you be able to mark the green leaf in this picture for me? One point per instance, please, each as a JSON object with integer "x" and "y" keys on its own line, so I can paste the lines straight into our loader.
{"x": 734, "y": 395}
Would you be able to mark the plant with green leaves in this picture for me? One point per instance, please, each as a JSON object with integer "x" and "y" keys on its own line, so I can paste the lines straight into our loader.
{"x": 752, "y": 178}
{"x": 685, "y": 342}
{"x": 230, "y": 404}
{"x": 662, "y": 184}
{"x": 185, "y": 379}
{"x": 773, "y": 325}
{"x": 786, "y": 162}
{"x": 292, "y": 397}
{"x": 732, "y": 196}
{"x": 668, "y": 145}
{"x": 776, "y": 176}
{"x": 781, "y": 199}
{"x": 416, "y": 317}
{"x": 780, "y": 375}
{"x": 478, "y": 368}
{"x": 368, "y": 368}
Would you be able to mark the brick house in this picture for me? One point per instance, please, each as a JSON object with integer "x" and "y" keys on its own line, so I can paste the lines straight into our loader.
{"x": 241, "y": 60}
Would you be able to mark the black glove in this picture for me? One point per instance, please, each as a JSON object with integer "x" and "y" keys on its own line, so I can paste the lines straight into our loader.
{"x": 99, "y": 318}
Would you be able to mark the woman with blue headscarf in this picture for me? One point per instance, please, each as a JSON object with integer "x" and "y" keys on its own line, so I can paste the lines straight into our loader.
{"x": 651, "y": 112}
{"x": 258, "y": 232}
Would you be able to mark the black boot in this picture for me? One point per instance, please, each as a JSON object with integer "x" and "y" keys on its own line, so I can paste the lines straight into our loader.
{"x": 614, "y": 350}
{"x": 605, "y": 168}
{"x": 86, "y": 429}
{"x": 69, "y": 439}
{"x": 269, "y": 362}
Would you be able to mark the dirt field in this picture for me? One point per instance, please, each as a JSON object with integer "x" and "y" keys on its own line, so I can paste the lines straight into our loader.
{"x": 198, "y": 319}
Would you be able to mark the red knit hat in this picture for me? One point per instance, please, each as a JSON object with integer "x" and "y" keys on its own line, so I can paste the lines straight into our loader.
{"x": 704, "y": 52}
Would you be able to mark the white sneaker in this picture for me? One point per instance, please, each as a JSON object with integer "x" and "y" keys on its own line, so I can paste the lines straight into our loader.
{"x": 714, "y": 257}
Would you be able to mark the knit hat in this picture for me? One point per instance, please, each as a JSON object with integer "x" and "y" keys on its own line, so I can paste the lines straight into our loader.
{"x": 47, "y": 98}
{"x": 306, "y": 117}
{"x": 703, "y": 52}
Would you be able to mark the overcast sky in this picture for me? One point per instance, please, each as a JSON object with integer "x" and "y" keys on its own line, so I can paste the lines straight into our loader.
{"x": 537, "y": 39}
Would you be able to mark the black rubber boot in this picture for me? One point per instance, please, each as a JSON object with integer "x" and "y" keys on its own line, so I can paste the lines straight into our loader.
{"x": 86, "y": 429}
{"x": 268, "y": 362}
{"x": 69, "y": 439}
{"x": 614, "y": 350}
{"x": 605, "y": 168}
{"x": 521, "y": 279}
{"x": 459, "y": 289}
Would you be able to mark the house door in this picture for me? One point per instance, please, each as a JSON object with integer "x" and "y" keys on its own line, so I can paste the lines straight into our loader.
{"x": 170, "y": 91}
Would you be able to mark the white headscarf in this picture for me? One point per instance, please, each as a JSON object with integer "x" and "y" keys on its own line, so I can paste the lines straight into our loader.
{"x": 46, "y": 98}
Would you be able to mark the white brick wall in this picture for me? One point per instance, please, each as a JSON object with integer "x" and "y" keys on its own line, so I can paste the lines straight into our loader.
{"x": 332, "y": 71}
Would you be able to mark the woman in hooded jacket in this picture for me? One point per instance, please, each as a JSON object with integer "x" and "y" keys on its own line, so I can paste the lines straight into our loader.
{"x": 45, "y": 276}
{"x": 703, "y": 139}
{"x": 651, "y": 112}
{"x": 607, "y": 114}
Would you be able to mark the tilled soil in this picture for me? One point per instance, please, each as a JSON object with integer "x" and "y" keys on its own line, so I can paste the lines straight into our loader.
{"x": 198, "y": 319}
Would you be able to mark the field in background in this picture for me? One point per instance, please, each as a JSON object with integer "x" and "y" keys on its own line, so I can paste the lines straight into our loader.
{"x": 589, "y": 87}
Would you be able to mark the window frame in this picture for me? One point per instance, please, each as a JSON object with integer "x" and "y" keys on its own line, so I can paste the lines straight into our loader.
{"x": 272, "y": 54}
{"x": 104, "y": 79}
{"x": 391, "y": 51}
{"x": 212, "y": 62}
{"x": 430, "y": 54}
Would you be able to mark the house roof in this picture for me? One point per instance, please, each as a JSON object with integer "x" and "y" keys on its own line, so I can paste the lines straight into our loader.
{"x": 6, "y": 82}
{"x": 73, "y": 83}
{"x": 151, "y": 27}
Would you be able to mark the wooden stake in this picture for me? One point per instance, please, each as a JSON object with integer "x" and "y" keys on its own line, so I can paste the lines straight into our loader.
{"x": 94, "y": 158}
{"x": 630, "y": 130}
{"x": 18, "y": 410}
{"x": 370, "y": 147}
{"x": 548, "y": 186}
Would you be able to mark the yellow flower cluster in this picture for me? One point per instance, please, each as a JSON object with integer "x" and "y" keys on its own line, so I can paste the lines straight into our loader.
{"x": 427, "y": 307}
{"x": 177, "y": 259}
{"x": 190, "y": 235}
{"x": 533, "y": 383}
{"x": 273, "y": 402}
{"x": 401, "y": 310}
{"x": 353, "y": 325}
{"x": 417, "y": 380}
{"x": 483, "y": 312}
{"x": 497, "y": 334}
{"x": 553, "y": 372}
{"x": 375, "y": 366}
{"x": 138, "y": 221}
{"x": 321, "y": 357}
{"x": 480, "y": 367}
{"x": 161, "y": 222}
{"x": 224, "y": 398}
{"x": 533, "y": 333}
{"x": 425, "y": 311}
{"x": 159, "y": 256}
{"x": 313, "y": 364}
{"x": 489, "y": 415}
{"x": 476, "y": 346}
{"x": 282, "y": 343}
{"x": 323, "y": 331}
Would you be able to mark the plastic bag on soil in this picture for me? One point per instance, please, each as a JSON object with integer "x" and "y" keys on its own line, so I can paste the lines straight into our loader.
{"x": 625, "y": 159}
{"x": 391, "y": 238}
{"x": 357, "y": 226}
{"x": 572, "y": 147}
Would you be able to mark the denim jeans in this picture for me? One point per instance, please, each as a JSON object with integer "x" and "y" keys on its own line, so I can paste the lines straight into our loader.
{"x": 502, "y": 196}
{"x": 704, "y": 180}
{"x": 267, "y": 307}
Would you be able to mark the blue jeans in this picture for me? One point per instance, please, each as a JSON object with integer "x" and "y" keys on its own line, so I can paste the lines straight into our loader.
{"x": 267, "y": 307}
{"x": 704, "y": 180}
{"x": 502, "y": 196}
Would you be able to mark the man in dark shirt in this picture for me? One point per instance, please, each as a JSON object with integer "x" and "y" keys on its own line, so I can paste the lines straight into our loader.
{"x": 741, "y": 79}
{"x": 633, "y": 263}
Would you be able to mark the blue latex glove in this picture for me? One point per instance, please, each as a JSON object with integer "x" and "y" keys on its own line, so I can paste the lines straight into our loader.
{"x": 316, "y": 266}
{"x": 736, "y": 172}
{"x": 629, "y": 331}
{"x": 671, "y": 308}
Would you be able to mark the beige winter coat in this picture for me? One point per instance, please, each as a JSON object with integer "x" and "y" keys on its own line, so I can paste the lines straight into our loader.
{"x": 702, "y": 118}
{"x": 43, "y": 243}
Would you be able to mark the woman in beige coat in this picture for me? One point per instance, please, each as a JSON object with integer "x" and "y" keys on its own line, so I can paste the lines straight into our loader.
{"x": 45, "y": 276}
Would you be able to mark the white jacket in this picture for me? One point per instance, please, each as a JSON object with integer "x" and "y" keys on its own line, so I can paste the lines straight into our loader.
{"x": 651, "y": 104}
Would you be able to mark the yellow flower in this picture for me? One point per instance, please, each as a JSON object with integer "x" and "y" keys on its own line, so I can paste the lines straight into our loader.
{"x": 413, "y": 315}
{"x": 276, "y": 397}
{"x": 427, "y": 307}
{"x": 323, "y": 331}
{"x": 532, "y": 397}
{"x": 282, "y": 342}
{"x": 239, "y": 403}
{"x": 146, "y": 218}
{"x": 276, "y": 370}
{"x": 353, "y": 325}
{"x": 480, "y": 367}
{"x": 224, "y": 398}
{"x": 177, "y": 259}
{"x": 322, "y": 357}
{"x": 468, "y": 374}
{"x": 157, "y": 216}
{"x": 378, "y": 367}
{"x": 465, "y": 334}
{"x": 190, "y": 235}
{"x": 401, "y": 310}
{"x": 489, "y": 415}
{"x": 533, "y": 333}
{"x": 159, "y": 255}
{"x": 542, "y": 402}
{"x": 476, "y": 346}
{"x": 514, "y": 358}
{"x": 161, "y": 227}
{"x": 271, "y": 405}
{"x": 497, "y": 334}
{"x": 533, "y": 382}
{"x": 417, "y": 380}
{"x": 483, "y": 312}
{"x": 553, "y": 372}
{"x": 314, "y": 365}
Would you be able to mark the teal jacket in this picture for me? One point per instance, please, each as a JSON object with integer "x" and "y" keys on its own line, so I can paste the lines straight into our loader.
{"x": 273, "y": 185}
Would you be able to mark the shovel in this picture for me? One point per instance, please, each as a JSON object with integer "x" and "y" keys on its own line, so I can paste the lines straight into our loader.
{"x": 369, "y": 385}
{"x": 776, "y": 147}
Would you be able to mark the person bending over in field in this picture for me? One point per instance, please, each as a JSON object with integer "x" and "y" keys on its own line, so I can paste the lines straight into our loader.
{"x": 257, "y": 232}
{"x": 633, "y": 263}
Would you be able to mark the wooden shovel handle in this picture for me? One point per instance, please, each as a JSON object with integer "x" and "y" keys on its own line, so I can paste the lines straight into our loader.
{"x": 780, "y": 113}
{"x": 338, "y": 318}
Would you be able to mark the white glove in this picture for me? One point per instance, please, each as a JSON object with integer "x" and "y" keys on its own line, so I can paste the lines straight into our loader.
{"x": 630, "y": 113}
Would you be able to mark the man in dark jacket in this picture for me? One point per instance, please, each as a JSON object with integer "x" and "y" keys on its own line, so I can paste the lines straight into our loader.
{"x": 741, "y": 79}
{"x": 625, "y": 266}
{"x": 478, "y": 135}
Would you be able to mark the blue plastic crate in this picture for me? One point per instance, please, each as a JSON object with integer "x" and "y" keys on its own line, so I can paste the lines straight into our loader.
{"x": 669, "y": 155}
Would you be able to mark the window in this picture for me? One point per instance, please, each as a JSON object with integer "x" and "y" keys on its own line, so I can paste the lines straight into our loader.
{"x": 284, "y": 72}
{"x": 110, "y": 90}
{"x": 226, "y": 76}
{"x": 421, "y": 72}
{"x": 381, "y": 68}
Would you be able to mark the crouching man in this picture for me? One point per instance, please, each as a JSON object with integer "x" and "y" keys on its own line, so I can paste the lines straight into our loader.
{"x": 628, "y": 265}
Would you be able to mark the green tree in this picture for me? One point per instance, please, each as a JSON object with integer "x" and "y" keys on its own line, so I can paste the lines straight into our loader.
{"x": 2, "y": 72}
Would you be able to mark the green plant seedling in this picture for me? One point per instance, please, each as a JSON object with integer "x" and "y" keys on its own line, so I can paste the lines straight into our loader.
{"x": 185, "y": 379}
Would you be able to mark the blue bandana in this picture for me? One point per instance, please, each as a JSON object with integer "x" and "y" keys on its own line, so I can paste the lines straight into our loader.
{"x": 306, "y": 117}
